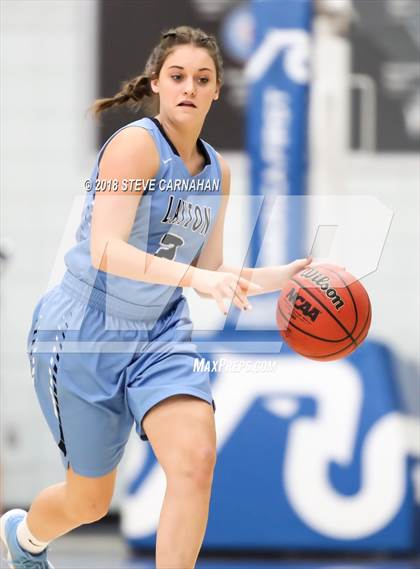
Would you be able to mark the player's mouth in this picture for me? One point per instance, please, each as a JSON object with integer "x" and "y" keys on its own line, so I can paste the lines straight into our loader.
{"x": 186, "y": 104}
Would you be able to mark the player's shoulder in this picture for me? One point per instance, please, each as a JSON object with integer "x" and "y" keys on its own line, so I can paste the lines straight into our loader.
{"x": 133, "y": 134}
{"x": 132, "y": 141}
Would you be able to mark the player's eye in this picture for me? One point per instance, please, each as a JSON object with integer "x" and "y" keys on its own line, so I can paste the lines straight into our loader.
{"x": 176, "y": 77}
{"x": 204, "y": 80}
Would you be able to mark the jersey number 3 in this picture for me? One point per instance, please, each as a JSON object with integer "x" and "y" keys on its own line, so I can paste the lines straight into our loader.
{"x": 169, "y": 244}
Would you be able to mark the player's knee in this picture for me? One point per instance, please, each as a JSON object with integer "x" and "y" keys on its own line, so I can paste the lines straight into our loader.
{"x": 87, "y": 510}
{"x": 194, "y": 466}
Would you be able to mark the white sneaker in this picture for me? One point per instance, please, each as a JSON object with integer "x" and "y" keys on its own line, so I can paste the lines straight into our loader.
{"x": 17, "y": 557}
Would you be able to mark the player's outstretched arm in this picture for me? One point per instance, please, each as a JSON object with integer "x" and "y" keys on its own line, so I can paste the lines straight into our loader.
{"x": 266, "y": 279}
{"x": 270, "y": 279}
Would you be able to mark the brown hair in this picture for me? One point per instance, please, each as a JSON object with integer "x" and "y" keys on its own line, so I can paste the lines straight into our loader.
{"x": 133, "y": 91}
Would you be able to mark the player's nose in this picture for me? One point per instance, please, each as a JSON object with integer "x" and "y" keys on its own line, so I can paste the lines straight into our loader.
{"x": 189, "y": 87}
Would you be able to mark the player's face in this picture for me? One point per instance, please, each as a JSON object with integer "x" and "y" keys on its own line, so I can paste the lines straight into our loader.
{"x": 188, "y": 74}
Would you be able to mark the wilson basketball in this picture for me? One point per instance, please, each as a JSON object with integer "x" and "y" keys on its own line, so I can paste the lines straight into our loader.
{"x": 323, "y": 312}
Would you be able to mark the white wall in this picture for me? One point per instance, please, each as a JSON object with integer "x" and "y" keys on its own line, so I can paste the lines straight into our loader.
{"x": 47, "y": 82}
{"x": 394, "y": 287}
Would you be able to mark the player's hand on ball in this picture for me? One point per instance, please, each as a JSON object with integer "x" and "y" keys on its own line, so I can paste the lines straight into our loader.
{"x": 286, "y": 272}
{"x": 221, "y": 286}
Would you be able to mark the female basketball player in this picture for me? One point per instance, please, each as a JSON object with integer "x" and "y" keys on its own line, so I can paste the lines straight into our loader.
{"x": 135, "y": 251}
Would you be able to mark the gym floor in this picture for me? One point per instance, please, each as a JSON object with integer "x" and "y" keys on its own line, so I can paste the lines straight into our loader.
{"x": 104, "y": 548}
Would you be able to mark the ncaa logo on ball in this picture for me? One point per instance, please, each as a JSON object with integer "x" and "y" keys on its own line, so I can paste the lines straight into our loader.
{"x": 299, "y": 302}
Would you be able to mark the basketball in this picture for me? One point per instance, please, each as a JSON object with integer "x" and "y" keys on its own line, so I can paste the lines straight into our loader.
{"x": 323, "y": 312}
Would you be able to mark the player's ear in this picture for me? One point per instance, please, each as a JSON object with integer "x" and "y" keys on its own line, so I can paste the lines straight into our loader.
{"x": 154, "y": 84}
{"x": 217, "y": 93}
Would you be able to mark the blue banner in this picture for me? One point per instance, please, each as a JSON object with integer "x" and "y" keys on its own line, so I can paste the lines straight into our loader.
{"x": 278, "y": 75}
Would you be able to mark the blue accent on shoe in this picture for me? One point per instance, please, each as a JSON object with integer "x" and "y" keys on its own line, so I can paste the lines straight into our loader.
{"x": 17, "y": 557}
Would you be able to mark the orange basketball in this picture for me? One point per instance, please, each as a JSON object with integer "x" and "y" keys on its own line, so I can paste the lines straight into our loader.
{"x": 323, "y": 312}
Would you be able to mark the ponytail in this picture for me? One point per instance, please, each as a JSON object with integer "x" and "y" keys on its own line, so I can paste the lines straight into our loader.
{"x": 131, "y": 95}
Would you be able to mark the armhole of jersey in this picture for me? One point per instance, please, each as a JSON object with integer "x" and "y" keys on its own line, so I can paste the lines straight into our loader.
{"x": 155, "y": 141}
{"x": 102, "y": 150}
{"x": 219, "y": 168}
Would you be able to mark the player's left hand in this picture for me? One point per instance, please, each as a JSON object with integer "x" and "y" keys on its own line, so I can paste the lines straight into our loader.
{"x": 287, "y": 271}
{"x": 282, "y": 273}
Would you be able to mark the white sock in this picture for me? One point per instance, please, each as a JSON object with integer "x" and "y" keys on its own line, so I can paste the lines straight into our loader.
{"x": 27, "y": 541}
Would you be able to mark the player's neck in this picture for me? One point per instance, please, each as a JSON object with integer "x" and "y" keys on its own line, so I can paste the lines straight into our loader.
{"x": 184, "y": 139}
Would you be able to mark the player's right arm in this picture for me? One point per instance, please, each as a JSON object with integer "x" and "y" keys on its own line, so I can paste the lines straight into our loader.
{"x": 132, "y": 154}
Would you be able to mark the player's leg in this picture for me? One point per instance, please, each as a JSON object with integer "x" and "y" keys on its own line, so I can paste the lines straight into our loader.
{"x": 76, "y": 501}
{"x": 56, "y": 511}
{"x": 181, "y": 430}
